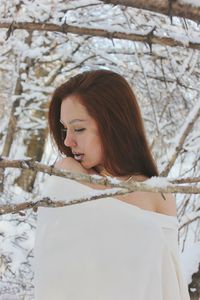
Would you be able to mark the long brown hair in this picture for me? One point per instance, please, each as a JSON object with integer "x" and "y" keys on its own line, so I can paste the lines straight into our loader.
{"x": 110, "y": 100}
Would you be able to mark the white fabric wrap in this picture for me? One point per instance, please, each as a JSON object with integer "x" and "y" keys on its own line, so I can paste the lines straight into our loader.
{"x": 104, "y": 250}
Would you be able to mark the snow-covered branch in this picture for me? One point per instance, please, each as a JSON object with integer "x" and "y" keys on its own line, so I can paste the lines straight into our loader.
{"x": 148, "y": 38}
{"x": 177, "y": 8}
{"x": 123, "y": 188}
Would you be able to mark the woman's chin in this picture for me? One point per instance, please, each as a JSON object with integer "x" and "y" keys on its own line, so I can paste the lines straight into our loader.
{"x": 84, "y": 164}
{"x": 87, "y": 165}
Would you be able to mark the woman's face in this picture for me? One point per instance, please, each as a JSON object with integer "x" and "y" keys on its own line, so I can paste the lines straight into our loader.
{"x": 81, "y": 133}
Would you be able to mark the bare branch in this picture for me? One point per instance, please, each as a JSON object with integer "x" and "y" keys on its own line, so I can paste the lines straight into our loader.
{"x": 185, "y": 180}
{"x": 31, "y": 164}
{"x": 186, "y": 129}
{"x": 161, "y": 6}
{"x": 148, "y": 38}
{"x": 148, "y": 185}
{"x": 127, "y": 188}
{"x": 189, "y": 220}
{"x": 124, "y": 188}
{"x": 46, "y": 202}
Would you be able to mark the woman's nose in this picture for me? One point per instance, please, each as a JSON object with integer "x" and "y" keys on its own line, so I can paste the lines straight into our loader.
{"x": 69, "y": 140}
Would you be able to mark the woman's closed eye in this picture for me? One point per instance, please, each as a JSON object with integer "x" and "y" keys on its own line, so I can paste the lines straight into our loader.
{"x": 76, "y": 131}
{"x": 79, "y": 129}
{"x": 64, "y": 130}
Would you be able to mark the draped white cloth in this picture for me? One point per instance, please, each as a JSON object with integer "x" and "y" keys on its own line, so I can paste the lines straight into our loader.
{"x": 105, "y": 250}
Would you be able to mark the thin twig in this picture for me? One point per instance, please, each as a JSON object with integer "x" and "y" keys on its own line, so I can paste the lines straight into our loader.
{"x": 185, "y": 131}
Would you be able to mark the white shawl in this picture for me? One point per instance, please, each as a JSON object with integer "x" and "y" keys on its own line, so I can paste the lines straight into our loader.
{"x": 104, "y": 250}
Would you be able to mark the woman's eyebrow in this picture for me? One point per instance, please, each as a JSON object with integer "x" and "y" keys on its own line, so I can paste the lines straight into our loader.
{"x": 73, "y": 121}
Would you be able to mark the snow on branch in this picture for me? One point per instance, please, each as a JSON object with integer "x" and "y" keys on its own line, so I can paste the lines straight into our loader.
{"x": 148, "y": 38}
{"x": 179, "y": 8}
{"x": 154, "y": 184}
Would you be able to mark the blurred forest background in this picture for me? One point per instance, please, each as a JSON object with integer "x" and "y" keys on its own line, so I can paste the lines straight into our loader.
{"x": 45, "y": 42}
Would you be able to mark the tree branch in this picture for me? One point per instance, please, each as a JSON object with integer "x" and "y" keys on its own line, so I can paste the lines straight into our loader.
{"x": 157, "y": 185}
{"x": 46, "y": 202}
{"x": 154, "y": 184}
{"x": 161, "y": 6}
{"x": 80, "y": 30}
{"x": 195, "y": 216}
{"x": 185, "y": 131}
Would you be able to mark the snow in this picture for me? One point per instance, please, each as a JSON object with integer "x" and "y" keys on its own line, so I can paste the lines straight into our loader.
{"x": 194, "y": 3}
{"x": 158, "y": 182}
{"x": 174, "y": 101}
{"x": 34, "y": 53}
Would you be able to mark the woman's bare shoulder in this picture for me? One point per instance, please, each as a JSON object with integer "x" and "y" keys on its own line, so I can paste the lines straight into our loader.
{"x": 166, "y": 206}
{"x": 70, "y": 164}
{"x": 152, "y": 202}
{"x": 62, "y": 162}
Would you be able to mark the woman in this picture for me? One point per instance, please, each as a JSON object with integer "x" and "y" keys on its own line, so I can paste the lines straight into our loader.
{"x": 123, "y": 247}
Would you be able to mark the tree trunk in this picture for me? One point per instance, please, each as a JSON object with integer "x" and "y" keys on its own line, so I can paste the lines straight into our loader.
{"x": 35, "y": 147}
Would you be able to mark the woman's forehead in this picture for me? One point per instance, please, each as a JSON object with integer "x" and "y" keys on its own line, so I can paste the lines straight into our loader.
{"x": 71, "y": 105}
{"x": 73, "y": 111}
